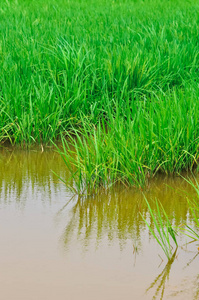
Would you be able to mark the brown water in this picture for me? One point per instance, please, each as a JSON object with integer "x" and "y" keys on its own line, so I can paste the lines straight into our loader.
{"x": 53, "y": 246}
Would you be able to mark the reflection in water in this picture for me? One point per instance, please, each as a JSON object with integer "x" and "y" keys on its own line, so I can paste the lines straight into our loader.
{"x": 116, "y": 214}
{"x": 25, "y": 172}
{"x": 160, "y": 280}
{"x": 159, "y": 283}
{"x": 109, "y": 215}
{"x": 111, "y": 218}
{"x": 196, "y": 295}
{"x": 195, "y": 255}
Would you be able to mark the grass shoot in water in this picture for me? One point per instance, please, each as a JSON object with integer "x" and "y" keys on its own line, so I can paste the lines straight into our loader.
{"x": 163, "y": 230}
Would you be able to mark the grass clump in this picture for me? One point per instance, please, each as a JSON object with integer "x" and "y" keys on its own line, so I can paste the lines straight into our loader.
{"x": 60, "y": 59}
{"x": 138, "y": 140}
{"x": 119, "y": 78}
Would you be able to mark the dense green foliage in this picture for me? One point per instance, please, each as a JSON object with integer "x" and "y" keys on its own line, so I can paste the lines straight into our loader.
{"x": 139, "y": 140}
{"x": 123, "y": 75}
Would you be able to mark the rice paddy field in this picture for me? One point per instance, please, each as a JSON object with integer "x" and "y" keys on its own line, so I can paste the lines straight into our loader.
{"x": 117, "y": 79}
{"x": 99, "y": 149}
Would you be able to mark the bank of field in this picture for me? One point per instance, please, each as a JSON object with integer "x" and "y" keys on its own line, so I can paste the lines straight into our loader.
{"x": 120, "y": 78}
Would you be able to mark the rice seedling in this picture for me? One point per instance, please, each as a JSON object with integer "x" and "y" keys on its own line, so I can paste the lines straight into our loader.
{"x": 135, "y": 143}
{"x": 163, "y": 230}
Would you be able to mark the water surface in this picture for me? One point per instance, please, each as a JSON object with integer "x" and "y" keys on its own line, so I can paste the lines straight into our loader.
{"x": 55, "y": 245}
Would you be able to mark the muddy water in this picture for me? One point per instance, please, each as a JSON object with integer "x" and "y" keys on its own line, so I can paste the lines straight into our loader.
{"x": 56, "y": 246}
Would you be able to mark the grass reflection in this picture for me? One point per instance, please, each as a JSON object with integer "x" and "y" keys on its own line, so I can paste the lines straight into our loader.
{"x": 108, "y": 214}
{"x": 117, "y": 214}
{"x": 160, "y": 281}
{"x": 25, "y": 172}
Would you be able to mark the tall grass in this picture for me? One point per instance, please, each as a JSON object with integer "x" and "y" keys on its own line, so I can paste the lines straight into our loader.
{"x": 120, "y": 78}
{"x": 62, "y": 58}
{"x": 138, "y": 140}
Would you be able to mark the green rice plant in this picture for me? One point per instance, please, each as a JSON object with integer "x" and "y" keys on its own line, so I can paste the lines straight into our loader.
{"x": 118, "y": 79}
{"x": 63, "y": 59}
{"x": 100, "y": 156}
{"x": 163, "y": 230}
{"x": 133, "y": 142}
